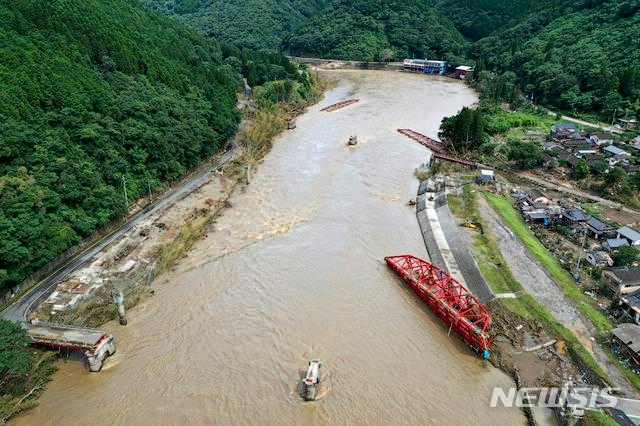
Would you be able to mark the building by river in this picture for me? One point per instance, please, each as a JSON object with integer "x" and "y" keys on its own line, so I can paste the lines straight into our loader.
{"x": 425, "y": 66}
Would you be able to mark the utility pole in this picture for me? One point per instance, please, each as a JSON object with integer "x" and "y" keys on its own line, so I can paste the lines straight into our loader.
{"x": 124, "y": 185}
{"x": 584, "y": 238}
{"x": 248, "y": 169}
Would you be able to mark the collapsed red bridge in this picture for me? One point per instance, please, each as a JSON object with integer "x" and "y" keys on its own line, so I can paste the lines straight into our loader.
{"x": 449, "y": 299}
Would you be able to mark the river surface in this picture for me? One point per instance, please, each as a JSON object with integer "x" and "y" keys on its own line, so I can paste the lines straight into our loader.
{"x": 295, "y": 271}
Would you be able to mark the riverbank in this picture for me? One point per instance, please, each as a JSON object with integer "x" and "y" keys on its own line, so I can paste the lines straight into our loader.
{"x": 153, "y": 247}
{"x": 539, "y": 314}
{"x": 295, "y": 236}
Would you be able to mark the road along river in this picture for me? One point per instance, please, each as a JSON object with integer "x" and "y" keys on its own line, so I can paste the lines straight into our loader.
{"x": 294, "y": 271}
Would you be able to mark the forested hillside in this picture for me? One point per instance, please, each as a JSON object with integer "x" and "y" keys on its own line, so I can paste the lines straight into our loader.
{"x": 96, "y": 95}
{"x": 583, "y": 61}
{"x": 476, "y": 19}
{"x": 575, "y": 55}
{"x": 376, "y": 31}
{"x": 256, "y": 24}
{"x": 91, "y": 92}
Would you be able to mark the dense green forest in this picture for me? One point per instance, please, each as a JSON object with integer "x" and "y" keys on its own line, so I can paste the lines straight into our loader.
{"x": 95, "y": 95}
{"x": 256, "y": 24}
{"x": 477, "y": 19}
{"x": 377, "y": 31}
{"x": 584, "y": 61}
{"x": 574, "y": 55}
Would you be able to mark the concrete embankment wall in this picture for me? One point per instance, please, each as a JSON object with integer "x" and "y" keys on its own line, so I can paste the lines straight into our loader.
{"x": 465, "y": 262}
{"x": 435, "y": 256}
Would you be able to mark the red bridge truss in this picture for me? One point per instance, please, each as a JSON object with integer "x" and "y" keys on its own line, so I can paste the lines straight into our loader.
{"x": 449, "y": 299}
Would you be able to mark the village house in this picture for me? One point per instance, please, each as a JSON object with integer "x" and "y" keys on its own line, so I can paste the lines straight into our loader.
{"x": 425, "y": 66}
{"x": 629, "y": 168}
{"x": 598, "y": 228}
{"x": 486, "y": 176}
{"x": 574, "y": 217}
{"x": 600, "y": 139}
{"x": 628, "y": 338}
{"x": 586, "y": 153}
{"x": 548, "y": 160}
{"x": 599, "y": 259}
{"x": 576, "y": 145}
{"x": 622, "y": 280}
{"x": 628, "y": 123}
{"x": 614, "y": 150}
{"x": 565, "y": 130}
{"x": 572, "y": 160}
{"x": 630, "y": 234}
{"x": 537, "y": 216}
{"x": 593, "y": 159}
{"x": 630, "y": 302}
{"x": 463, "y": 72}
{"x": 615, "y": 243}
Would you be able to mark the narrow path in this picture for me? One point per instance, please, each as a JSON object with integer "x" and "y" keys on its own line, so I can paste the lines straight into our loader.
{"x": 562, "y": 187}
{"x": 587, "y": 123}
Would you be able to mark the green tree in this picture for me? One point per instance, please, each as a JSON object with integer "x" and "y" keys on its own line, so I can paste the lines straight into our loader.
{"x": 464, "y": 130}
{"x": 15, "y": 361}
{"x": 614, "y": 178}
{"x": 525, "y": 155}
{"x": 626, "y": 256}
{"x": 581, "y": 170}
{"x": 634, "y": 179}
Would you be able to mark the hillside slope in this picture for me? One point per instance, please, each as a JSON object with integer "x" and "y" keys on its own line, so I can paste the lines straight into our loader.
{"x": 94, "y": 94}
{"x": 584, "y": 60}
{"x": 376, "y": 31}
{"x": 256, "y": 24}
{"x": 481, "y": 18}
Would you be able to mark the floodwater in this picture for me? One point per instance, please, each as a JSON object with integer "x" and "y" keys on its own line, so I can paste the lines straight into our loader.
{"x": 295, "y": 271}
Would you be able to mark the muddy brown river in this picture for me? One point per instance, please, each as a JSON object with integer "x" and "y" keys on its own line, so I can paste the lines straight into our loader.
{"x": 295, "y": 271}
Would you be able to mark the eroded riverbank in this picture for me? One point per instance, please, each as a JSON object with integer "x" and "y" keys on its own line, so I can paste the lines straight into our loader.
{"x": 293, "y": 271}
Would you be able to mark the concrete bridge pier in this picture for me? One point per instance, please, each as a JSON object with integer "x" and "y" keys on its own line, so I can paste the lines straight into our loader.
{"x": 118, "y": 299}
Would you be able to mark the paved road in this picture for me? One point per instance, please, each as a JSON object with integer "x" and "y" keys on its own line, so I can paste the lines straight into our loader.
{"x": 468, "y": 266}
{"x": 19, "y": 310}
{"x": 587, "y": 123}
{"x": 444, "y": 242}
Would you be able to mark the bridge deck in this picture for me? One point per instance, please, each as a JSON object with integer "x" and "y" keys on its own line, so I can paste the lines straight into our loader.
{"x": 62, "y": 336}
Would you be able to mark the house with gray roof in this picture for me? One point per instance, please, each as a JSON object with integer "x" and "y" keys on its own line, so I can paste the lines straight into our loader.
{"x": 572, "y": 160}
{"x": 615, "y": 243}
{"x": 622, "y": 279}
{"x": 565, "y": 131}
{"x": 598, "y": 228}
{"x": 614, "y": 150}
{"x": 628, "y": 336}
{"x": 630, "y": 234}
{"x": 574, "y": 217}
{"x": 599, "y": 259}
